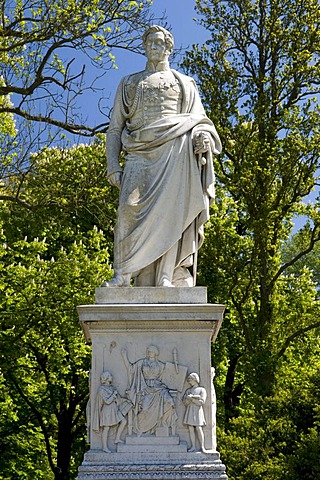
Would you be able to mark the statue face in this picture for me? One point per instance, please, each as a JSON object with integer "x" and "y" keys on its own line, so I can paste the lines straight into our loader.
{"x": 155, "y": 47}
{"x": 106, "y": 379}
{"x": 191, "y": 381}
{"x": 152, "y": 353}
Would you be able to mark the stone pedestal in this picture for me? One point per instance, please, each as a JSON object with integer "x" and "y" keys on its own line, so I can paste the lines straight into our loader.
{"x": 150, "y": 340}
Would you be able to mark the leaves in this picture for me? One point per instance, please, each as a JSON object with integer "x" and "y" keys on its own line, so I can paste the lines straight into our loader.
{"x": 52, "y": 257}
{"x": 259, "y": 78}
{"x": 46, "y": 46}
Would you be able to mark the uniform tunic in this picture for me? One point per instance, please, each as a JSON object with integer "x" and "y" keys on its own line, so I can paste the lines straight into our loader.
{"x": 194, "y": 414}
{"x": 107, "y": 412}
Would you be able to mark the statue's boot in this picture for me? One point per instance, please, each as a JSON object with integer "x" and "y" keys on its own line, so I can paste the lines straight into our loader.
{"x": 118, "y": 440}
{"x": 165, "y": 283}
{"x": 118, "y": 281}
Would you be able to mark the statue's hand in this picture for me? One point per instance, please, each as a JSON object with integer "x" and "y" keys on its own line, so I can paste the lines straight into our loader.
{"x": 201, "y": 143}
{"x": 115, "y": 179}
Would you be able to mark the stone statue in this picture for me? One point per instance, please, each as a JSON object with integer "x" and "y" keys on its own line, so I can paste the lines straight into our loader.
{"x": 110, "y": 410}
{"x": 167, "y": 183}
{"x": 194, "y": 399}
{"x": 154, "y": 405}
{"x": 88, "y": 412}
{"x": 214, "y": 410}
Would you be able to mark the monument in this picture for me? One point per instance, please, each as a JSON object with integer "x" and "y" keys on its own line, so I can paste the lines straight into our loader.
{"x": 167, "y": 183}
{"x": 151, "y": 413}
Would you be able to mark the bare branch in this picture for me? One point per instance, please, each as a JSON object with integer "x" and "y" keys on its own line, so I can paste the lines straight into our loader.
{"x": 72, "y": 128}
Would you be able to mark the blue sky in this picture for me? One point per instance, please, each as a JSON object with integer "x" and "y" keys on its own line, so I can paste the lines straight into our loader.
{"x": 180, "y": 16}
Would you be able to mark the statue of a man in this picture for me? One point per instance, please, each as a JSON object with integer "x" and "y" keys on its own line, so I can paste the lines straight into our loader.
{"x": 167, "y": 183}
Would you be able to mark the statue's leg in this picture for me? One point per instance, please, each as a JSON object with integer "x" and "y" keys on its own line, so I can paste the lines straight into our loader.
{"x": 201, "y": 438}
{"x": 146, "y": 276}
{"x": 192, "y": 438}
{"x": 120, "y": 429}
{"x": 165, "y": 267}
{"x": 120, "y": 278}
{"x": 105, "y": 432}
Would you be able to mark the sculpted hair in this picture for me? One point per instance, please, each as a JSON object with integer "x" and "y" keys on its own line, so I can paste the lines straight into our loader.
{"x": 153, "y": 348}
{"x": 168, "y": 37}
{"x": 105, "y": 376}
{"x": 195, "y": 377}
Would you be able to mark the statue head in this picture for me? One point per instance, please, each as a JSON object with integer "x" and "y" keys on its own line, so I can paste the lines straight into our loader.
{"x": 158, "y": 43}
{"x": 152, "y": 351}
{"x": 106, "y": 377}
{"x": 194, "y": 376}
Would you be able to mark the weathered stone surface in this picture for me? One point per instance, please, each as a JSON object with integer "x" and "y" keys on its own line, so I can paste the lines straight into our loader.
{"x": 149, "y": 350}
{"x": 156, "y": 295}
{"x": 170, "y": 466}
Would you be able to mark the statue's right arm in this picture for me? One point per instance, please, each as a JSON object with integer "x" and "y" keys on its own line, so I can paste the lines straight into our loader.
{"x": 114, "y": 146}
{"x": 108, "y": 397}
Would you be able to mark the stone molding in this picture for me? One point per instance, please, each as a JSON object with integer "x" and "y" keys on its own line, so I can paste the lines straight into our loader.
{"x": 121, "y": 335}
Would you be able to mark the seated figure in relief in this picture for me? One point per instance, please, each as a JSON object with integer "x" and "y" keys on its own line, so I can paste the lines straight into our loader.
{"x": 153, "y": 403}
{"x": 167, "y": 182}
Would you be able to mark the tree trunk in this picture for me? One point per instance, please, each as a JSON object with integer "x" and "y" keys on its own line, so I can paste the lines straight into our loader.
{"x": 62, "y": 470}
{"x": 232, "y": 394}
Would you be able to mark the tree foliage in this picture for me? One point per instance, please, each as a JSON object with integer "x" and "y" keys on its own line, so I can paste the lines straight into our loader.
{"x": 52, "y": 257}
{"x": 51, "y": 56}
{"x": 259, "y": 74}
{"x": 46, "y": 45}
{"x": 259, "y": 78}
{"x": 64, "y": 191}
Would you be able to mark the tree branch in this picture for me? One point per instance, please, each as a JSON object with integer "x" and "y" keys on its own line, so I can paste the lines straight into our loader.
{"x": 72, "y": 128}
{"x": 314, "y": 239}
{"x": 295, "y": 335}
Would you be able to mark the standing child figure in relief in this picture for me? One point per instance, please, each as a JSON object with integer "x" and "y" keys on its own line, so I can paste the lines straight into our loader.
{"x": 107, "y": 412}
{"x": 194, "y": 399}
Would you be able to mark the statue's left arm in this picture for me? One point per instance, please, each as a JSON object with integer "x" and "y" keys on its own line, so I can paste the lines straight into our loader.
{"x": 114, "y": 146}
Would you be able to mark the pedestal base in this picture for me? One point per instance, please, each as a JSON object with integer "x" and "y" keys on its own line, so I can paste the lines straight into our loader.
{"x": 151, "y": 466}
{"x": 145, "y": 344}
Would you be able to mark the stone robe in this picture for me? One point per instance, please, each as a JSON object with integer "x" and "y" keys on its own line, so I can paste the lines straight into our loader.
{"x": 165, "y": 193}
{"x": 107, "y": 412}
{"x": 154, "y": 406}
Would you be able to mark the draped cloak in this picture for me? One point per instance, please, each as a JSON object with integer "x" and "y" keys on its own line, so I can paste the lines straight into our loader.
{"x": 154, "y": 406}
{"x": 165, "y": 194}
{"x": 107, "y": 412}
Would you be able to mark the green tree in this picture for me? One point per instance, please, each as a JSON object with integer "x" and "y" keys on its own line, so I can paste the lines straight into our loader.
{"x": 64, "y": 192}
{"x": 275, "y": 436}
{"x": 44, "y": 360}
{"x": 45, "y": 47}
{"x": 52, "y": 257}
{"x": 52, "y": 55}
{"x": 259, "y": 77}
